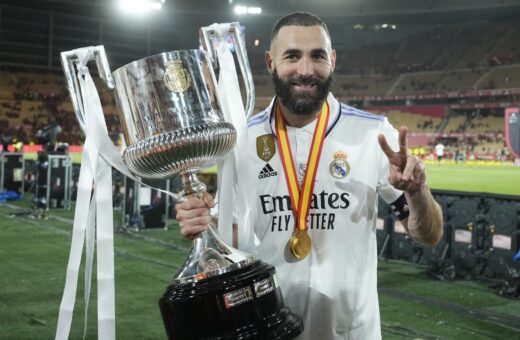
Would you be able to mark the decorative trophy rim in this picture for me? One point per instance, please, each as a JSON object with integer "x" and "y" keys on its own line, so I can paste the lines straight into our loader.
{"x": 190, "y": 157}
{"x": 250, "y": 259}
{"x": 153, "y": 56}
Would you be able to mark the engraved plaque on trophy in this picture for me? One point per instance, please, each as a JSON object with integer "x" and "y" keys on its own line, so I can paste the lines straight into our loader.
{"x": 173, "y": 125}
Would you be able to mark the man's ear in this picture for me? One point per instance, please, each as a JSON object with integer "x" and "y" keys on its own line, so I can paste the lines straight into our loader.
{"x": 269, "y": 62}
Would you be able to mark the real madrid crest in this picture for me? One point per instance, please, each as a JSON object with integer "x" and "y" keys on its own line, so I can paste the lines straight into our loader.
{"x": 176, "y": 78}
{"x": 265, "y": 147}
{"x": 339, "y": 167}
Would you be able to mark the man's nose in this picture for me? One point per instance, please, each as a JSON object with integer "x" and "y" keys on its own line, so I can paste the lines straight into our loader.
{"x": 305, "y": 67}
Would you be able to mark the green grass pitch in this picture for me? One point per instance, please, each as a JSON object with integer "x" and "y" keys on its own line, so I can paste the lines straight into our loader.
{"x": 413, "y": 306}
{"x": 485, "y": 178}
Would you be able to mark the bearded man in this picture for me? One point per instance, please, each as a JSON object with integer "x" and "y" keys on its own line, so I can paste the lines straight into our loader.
{"x": 319, "y": 167}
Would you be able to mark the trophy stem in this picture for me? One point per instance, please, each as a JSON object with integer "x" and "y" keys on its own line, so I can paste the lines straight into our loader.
{"x": 191, "y": 186}
{"x": 209, "y": 254}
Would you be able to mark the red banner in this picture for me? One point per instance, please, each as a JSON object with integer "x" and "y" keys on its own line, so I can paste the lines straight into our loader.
{"x": 483, "y": 105}
{"x": 33, "y": 148}
{"x": 425, "y": 110}
{"x": 442, "y": 95}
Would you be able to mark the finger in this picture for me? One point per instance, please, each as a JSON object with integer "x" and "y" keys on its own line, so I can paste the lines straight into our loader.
{"x": 403, "y": 141}
{"x": 208, "y": 199}
{"x": 394, "y": 175}
{"x": 385, "y": 146}
{"x": 186, "y": 214}
{"x": 195, "y": 222}
{"x": 411, "y": 163}
{"x": 191, "y": 230}
{"x": 419, "y": 173}
{"x": 191, "y": 203}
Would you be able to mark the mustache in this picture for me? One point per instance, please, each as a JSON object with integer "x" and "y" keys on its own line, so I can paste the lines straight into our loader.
{"x": 305, "y": 81}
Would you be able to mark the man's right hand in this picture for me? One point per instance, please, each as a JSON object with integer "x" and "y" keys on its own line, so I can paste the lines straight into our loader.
{"x": 193, "y": 214}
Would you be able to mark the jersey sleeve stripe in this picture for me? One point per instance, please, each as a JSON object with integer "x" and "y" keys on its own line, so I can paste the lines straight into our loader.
{"x": 350, "y": 111}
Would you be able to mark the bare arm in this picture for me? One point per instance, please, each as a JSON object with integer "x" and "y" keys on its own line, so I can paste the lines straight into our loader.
{"x": 425, "y": 223}
{"x": 408, "y": 173}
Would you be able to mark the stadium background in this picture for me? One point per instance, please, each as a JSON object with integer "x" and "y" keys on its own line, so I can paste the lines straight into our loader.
{"x": 446, "y": 69}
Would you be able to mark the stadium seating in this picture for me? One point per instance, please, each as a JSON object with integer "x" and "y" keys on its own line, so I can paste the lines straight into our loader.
{"x": 414, "y": 122}
{"x": 361, "y": 85}
{"x": 458, "y": 80}
{"x": 435, "y": 62}
{"x": 501, "y": 77}
{"x": 367, "y": 59}
{"x": 455, "y": 123}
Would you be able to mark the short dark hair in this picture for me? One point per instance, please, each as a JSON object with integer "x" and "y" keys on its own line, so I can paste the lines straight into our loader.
{"x": 298, "y": 19}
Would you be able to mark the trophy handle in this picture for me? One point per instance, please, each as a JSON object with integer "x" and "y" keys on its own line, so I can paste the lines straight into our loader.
{"x": 206, "y": 33}
{"x": 69, "y": 61}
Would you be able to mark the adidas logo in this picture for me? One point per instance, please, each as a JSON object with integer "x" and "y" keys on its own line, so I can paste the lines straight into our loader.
{"x": 267, "y": 171}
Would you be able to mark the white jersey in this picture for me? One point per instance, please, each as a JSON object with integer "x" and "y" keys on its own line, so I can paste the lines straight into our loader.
{"x": 439, "y": 149}
{"x": 334, "y": 288}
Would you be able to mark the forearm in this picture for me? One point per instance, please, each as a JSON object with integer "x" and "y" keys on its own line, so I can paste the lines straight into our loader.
{"x": 424, "y": 224}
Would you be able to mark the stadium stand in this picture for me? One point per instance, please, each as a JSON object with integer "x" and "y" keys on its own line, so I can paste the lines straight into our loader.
{"x": 361, "y": 85}
{"x": 366, "y": 59}
{"x": 501, "y": 77}
{"x": 443, "y": 64}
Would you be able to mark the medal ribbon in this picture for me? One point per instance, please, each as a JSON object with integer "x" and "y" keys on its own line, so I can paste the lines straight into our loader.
{"x": 301, "y": 207}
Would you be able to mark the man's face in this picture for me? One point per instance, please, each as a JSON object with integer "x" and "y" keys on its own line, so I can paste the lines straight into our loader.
{"x": 302, "y": 102}
{"x": 301, "y": 63}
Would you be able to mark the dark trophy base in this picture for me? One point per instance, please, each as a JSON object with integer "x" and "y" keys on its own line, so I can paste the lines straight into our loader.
{"x": 245, "y": 303}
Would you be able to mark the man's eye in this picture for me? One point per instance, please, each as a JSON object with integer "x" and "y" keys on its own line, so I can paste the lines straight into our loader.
{"x": 291, "y": 56}
{"x": 319, "y": 56}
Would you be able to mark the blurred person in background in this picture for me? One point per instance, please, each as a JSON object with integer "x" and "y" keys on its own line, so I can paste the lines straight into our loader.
{"x": 439, "y": 150}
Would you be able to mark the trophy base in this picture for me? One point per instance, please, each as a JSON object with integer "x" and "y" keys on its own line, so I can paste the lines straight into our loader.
{"x": 245, "y": 303}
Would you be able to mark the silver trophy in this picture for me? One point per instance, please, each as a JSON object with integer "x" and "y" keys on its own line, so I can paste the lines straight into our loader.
{"x": 173, "y": 125}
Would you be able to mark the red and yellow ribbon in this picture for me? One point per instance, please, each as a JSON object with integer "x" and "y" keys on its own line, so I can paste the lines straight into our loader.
{"x": 301, "y": 197}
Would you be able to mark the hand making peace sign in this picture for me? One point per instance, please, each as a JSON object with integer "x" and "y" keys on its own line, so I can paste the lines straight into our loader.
{"x": 407, "y": 172}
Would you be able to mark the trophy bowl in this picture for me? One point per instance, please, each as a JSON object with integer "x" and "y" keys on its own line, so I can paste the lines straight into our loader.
{"x": 173, "y": 125}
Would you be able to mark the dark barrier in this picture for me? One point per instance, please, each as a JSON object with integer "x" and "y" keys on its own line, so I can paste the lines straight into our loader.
{"x": 11, "y": 172}
{"x": 481, "y": 235}
{"x": 53, "y": 181}
{"x": 512, "y": 118}
{"x": 145, "y": 207}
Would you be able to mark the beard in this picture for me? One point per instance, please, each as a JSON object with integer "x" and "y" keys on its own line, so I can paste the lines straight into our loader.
{"x": 302, "y": 103}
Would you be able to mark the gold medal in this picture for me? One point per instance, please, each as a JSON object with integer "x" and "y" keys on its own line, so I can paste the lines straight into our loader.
{"x": 300, "y": 244}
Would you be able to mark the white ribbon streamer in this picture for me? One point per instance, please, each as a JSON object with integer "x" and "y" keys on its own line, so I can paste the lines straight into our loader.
{"x": 78, "y": 238}
{"x": 93, "y": 217}
{"x": 229, "y": 169}
{"x": 95, "y": 171}
{"x": 90, "y": 239}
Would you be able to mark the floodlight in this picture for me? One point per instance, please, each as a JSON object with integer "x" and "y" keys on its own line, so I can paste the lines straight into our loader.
{"x": 241, "y": 10}
{"x": 140, "y": 5}
{"x": 254, "y": 10}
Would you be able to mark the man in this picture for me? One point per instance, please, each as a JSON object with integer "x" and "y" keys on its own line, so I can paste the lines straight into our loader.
{"x": 439, "y": 150}
{"x": 340, "y": 165}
